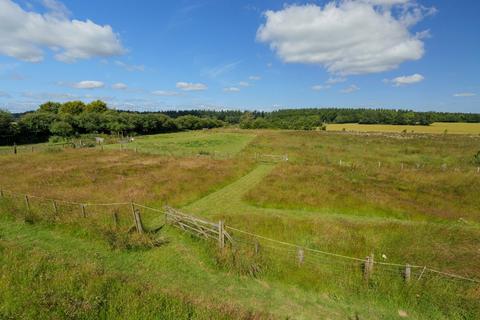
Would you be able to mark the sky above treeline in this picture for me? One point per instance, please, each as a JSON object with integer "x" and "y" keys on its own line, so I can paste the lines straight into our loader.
{"x": 214, "y": 54}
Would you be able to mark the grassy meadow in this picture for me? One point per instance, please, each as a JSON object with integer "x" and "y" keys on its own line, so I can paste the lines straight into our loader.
{"x": 407, "y": 198}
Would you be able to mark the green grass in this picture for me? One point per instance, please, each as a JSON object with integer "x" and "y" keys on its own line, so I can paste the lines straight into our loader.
{"x": 436, "y": 127}
{"x": 205, "y": 142}
{"x": 357, "y": 208}
{"x": 180, "y": 280}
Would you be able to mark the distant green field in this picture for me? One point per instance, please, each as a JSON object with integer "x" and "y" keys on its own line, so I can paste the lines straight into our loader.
{"x": 437, "y": 127}
{"x": 191, "y": 142}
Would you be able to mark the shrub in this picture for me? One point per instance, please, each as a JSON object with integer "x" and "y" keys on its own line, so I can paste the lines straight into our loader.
{"x": 476, "y": 158}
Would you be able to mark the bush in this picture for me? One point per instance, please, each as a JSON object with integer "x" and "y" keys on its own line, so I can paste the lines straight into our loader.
{"x": 476, "y": 158}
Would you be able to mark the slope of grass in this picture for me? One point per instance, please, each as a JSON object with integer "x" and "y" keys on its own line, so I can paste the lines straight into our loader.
{"x": 76, "y": 275}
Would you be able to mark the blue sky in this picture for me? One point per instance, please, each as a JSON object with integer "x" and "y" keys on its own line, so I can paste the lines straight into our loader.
{"x": 264, "y": 55}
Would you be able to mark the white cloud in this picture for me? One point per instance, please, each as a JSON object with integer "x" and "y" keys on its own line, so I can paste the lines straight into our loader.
{"x": 346, "y": 37}
{"x": 231, "y": 89}
{"x": 166, "y": 93}
{"x": 119, "y": 86}
{"x": 254, "y": 78}
{"x": 24, "y": 35}
{"x": 320, "y": 87}
{"x": 244, "y": 84}
{"x": 406, "y": 80}
{"x": 130, "y": 67}
{"x": 465, "y": 94}
{"x": 221, "y": 69}
{"x": 43, "y": 96}
{"x": 334, "y": 80}
{"x": 88, "y": 84}
{"x": 56, "y": 8}
{"x": 350, "y": 89}
{"x": 189, "y": 86}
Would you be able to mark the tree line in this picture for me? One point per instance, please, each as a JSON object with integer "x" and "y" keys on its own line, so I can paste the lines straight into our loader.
{"x": 75, "y": 118}
{"x": 308, "y": 119}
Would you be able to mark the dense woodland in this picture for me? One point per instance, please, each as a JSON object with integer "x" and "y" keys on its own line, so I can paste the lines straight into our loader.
{"x": 73, "y": 118}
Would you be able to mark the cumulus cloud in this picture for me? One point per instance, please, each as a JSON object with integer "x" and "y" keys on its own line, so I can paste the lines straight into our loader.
{"x": 88, "y": 84}
{"x": 231, "y": 89}
{"x": 465, "y": 94}
{"x": 350, "y": 89}
{"x": 254, "y": 78}
{"x": 244, "y": 84}
{"x": 189, "y": 86}
{"x": 165, "y": 93}
{"x": 346, "y": 37}
{"x": 25, "y": 35}
{"x": 119, "y": 86}
{"x": 406, "y": 80}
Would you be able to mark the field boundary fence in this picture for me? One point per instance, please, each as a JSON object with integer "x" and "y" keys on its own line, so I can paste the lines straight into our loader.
{"x": 128, "y": 215}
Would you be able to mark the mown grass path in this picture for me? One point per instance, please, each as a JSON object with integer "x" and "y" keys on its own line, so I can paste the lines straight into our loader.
{"x": 229, "y": 201}
{"x": 229, "y": 198}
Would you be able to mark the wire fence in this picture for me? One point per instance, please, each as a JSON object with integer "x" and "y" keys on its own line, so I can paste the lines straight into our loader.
{"x": 128, "y": 216}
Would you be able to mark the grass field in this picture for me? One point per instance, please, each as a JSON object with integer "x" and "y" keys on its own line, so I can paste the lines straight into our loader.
{"x": 437, "y": 127}
{"x": 412, "y": 199}
{"x": 206, "y": 142}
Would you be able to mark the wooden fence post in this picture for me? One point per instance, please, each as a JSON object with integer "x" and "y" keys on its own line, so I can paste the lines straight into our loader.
{"x": 137, "y": 219}
{"x": 27, "y": 203}
{"x": 221, "y": 235}
{"x": 32, "y": 148}
{"x": 55, "y": 208}
{"x": 300, "y": 256}
{"x": 14, "y": 148}
{"x": 1, "y": 192}
{"x": 115, "y": 219}
{"x": 257, "y": 247}
{"x": 368, "y": 267}
{"x": 407, "y": 274}
{"x": 84, "y": 213}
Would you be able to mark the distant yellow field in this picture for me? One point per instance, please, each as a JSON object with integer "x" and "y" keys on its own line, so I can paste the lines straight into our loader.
{"x": 437, "y": 127}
